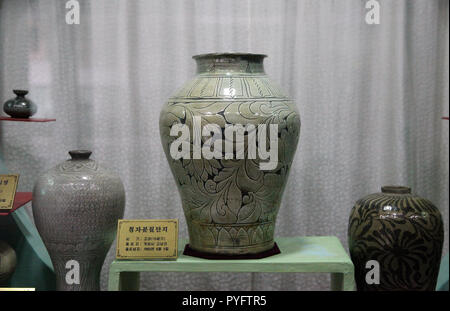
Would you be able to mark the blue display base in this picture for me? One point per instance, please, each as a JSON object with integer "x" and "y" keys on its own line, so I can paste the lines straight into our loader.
{"x": 442, "y": 283}
{"x": 34, "y": 268}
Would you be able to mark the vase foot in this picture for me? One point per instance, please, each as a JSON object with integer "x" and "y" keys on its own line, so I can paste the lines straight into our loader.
{"x": 188, "y": 251}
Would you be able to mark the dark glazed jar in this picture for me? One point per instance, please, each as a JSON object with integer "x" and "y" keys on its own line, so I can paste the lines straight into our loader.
{"x": 20, "y": 107}
{"x": 403, "y": 233}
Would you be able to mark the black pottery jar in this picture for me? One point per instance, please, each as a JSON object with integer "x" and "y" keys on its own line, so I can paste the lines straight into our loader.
{"x": 403, "y": 233}
{"x": 20, "y": 107}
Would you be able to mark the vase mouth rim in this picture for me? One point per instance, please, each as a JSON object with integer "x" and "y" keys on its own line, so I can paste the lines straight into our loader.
{"x": 229, "y": 54}
{"x": 396, "y": 189}
{"x": 20, "y": 92}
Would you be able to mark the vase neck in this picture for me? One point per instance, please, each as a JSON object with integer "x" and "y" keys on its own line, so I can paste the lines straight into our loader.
{"x": 230, "y": 63}
{"x": 80, "y": 154}
{"x": 396, "y": 189}
{"x": 20, "y": 93}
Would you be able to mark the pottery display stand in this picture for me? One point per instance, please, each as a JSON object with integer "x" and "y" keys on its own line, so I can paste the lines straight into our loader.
{"x": 323, "y": 254}
{"x": 34, "y": 267}
{"x": 442, "y": 283}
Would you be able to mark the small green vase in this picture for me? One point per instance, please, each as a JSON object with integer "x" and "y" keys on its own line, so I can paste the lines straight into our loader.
{"x": 8, "y": 261}
{"x": 20, "y": 107}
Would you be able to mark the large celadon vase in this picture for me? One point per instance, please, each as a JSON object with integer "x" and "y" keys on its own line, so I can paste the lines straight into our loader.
{"x": 76, "y": 206}
{"x": 230, "y": 196}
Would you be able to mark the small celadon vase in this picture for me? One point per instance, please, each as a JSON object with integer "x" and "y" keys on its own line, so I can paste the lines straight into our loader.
{"x": 395, "y": 240}
{"x": 76, "y": 206}
{"x": 20, "y": 107}
{"x": 8, "y": 261}
{"x": 230, "y": 135}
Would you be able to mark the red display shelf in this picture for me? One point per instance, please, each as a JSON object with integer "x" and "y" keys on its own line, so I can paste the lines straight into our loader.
{"x": 26, "y": 120}
{"x": 445, "y": 118}
{"x": 20, "y": 200}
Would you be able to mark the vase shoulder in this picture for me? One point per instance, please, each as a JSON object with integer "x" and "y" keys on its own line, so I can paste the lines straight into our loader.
{"x": 230, "y": 87}
{"x": 399, "y": 204}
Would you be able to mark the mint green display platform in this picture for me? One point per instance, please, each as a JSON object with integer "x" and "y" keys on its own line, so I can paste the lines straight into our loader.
{"x": 298, "y": 254}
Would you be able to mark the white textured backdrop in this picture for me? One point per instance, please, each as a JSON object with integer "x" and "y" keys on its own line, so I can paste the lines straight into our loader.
{"x": 371, "y": 98}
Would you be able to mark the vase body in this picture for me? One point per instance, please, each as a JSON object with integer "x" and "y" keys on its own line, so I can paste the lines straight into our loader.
{"x": 76, "y": 206}
{"x": 403, "y": 233}
{"x": 8, "y": 261}
{"x": 230, "y": 195}
{"x": 20, "y": 107}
